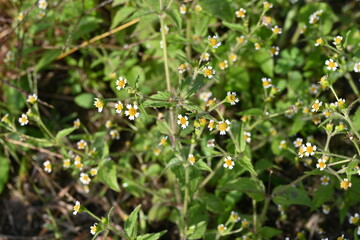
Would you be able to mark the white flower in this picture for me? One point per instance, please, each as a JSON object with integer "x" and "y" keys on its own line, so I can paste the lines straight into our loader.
{"x": 76, "y": 207}
{"x": 214, "y": 41}
{"x": 266, "y": 82}
{"x": 99, "y": 104}
{"x": 183, "y": 121}
{"x": 208, "y": 72}
{"x": 210, "y": 143}
{"x": 120, "y": 83}
{"x": 132, "y": 111}
{"x": 119, "y": 107}
{"x": 276, "y": 30}
{"x": 93, "y": 229}
{"x": 331, "y": 65}
{"x": 326, "y": 209}
{"x": 183, "y": 9}
{"x": 274, "y": 50}
{"x": 298, "y": 142}
{"x": 47, "y": 166}
{"x": 241, "y": 13}
{"x": 81, "y": 144}
{"x": 32, "y": 98}
{"x": 223, "y": 127}
{"x": 205, "y": 96}
{"x": 205, "y": 57}
{"x": 84, "y": 178}
{"x": 115, "y": 134}
{"x": 247, "y": 137}
{"x": 309, "y": 149}
{"x": 228, "y": 163}
{"x": 43, "y": 4}
{"x": 337, "y": 40}
{"x": 357, "y": 67}
{"x": 23, "y": 120}
{"x": 354, "y": 219}
{"x": 231, "y": 97}
{"x": 316, "y": 106}
{"x": 325, "y": 180}
{"x": 321, "y": 164}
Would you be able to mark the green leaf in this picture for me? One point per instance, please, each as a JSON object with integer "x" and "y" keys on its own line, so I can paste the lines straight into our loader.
{"x": 85, "y": 100}
{"x": 160, "y": 99}
{"x": 236, "y": 27}
{"x": 64, "y": 133}
{"x": 175, "y": 16}
{"x": 130, "y": 225}
{"x": 4, "y": 172}
{"x": 266, "y": 62}
{"x": 196, "y": 231}
{"x": 291, "y": 195}
{"x": 356, "y": 119}
{"x": 322, "y": 194}
{"x": 202, "y": 166}
{"x": 245, "y": 162}
{"x": 183, "y": 59}
{"x": 242, "y": 138}
{"x": 121, "y": 15}
{"x": 298, "y": 124}
{"x": 158, "y": 212}
{"x": 107, "y": 175}
{"x": 220, "y": 9}
{"x": 213, "y": 203}
{"x": 47, "y": 58}
{"x": 142, "y": 110}
{"x": 151, "y": 236}
{"x": 251, "y": 112}
{"x": 269, "y": 232}
{"x": 253, "y": 188}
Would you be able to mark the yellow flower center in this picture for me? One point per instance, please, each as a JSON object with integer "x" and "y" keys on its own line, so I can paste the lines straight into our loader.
{"x": 309, "y": 149}
{"x": 93, "y": 228}
{"x": 119, "y": 107}
{"x": 316, "y": 106}
{"x": 337, "y": 40}
{"x": 67, "y": 163}
{"x": 322, "y": 165}
{"x": 240, "y": 40}
{"x": 98, "y": 104}
{"x": 23, "y": 119}
{"x": 183, "y": 121}
{"x": 85, "y": 178}
{"x": 208, "y": 72}
{"x": 228, "y": 162}
{"x": 77, "y": 207}
{"x": 121, "y": 83}
{"x": 163, "y": 141}
{"x": 257, "y": 45}
{"x": 331, "y": 64}
{"x": 345, "y": 185}
{"x": 266, "y": 83}
{"x": 203, "y": 121}
{"x": 319, "y": 41}
{"x": 276, "y": 30}
{"x": 272, "y": 50}
{"x": 354, "y": 220}
{"x": 210, "y": 102}
{"x": 222, "y": 126}
{"x": 240, "y": 13}
{"x": 222, "y": 65}
{"x": 211, "y": 124}
{"x": 132, "y": 111}
{"x": 213, "y": 42}
{"x": 192, "y": 159}
{"x": 79, "y": 165}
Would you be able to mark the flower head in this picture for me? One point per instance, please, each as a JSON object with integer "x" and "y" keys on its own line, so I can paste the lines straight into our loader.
{"x": 132, "y": 111}
{"x": 241, "y": 39}
{"x": 120, "y": 83}
{"x": 326, "y": 209}
{"x": 247, "y": 137}
{"x": 354, "y": 219}
{"x": 314, "y": 88}
{"x": 93, "y": 229}
{"x": 183, "y": 9}
{"x": 282, "y": 144}
{"x": 208, "y": 72}
{"x": 205, "y": 57}
{"x": 298, "y": 142}
{"x": 357, "y": 67}
{"x": 234, "y": 216}
{"x": 66, "y": 163}
{"x": 84, "y": 178}
{"x": 232, "y": 57}
{"x": 119, "y": 107}
{"x": 345, "y": 184}
{"x": 245, "y": 223}
{"x": 211, "y": 125}
{"x": 183, "y": 121}
{"x": 223, "y": 127}
{"x": 321, "y": 164}
{"x": 257, "y": 46}
{"x": 331, "y": 65}
{"x": 43, "y": 4}
{"x": 191, "y": 159}
{"x": 76, "y": 207}
{"x": 214, "y": 41}
{"x": 266, "y": 82}
{"x": 221, "y": 228}
{"x": 325, "y": 180}
{"x": 77, "y": 123}
{"x": 337, "y": 40}
{"x": 23, "y": 120}
{"x": 318, "y": 42}
{"x": 81, "y": 144}
{"x": 274, "y": 51}
{"x": 32, "y": 98}
{"x": 115, "y": 134}
{"x": 205, "y": 96}
{"x": 267, "y": 5}
{"x": 228, "y": 163}
{"x": 316, "y": 106}
{"x": 47, "y": 166}
{"x": 163, "y": 140}
{"x": 93, "y": 172}
{"x": 99, "y": 104}
{"x": 182, "y": 68}
{"x": 276, "y": 30}
{"x": 210, "y": 143}
{"x": 231, "y": 98}
{"x": 241, "y": 13}
{"x": 223, "y": 65}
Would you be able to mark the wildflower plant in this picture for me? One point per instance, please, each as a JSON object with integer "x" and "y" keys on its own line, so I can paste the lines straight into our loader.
{"x": 217, "y": 116}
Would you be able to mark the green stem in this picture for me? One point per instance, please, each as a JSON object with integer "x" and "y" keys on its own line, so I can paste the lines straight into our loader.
{"x": 352, "y": 84}
{"x": 186, "y": 196}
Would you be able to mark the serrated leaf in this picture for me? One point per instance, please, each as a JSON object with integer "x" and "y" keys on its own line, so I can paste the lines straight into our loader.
{"x": 47, "y": 58}
{"x": 64, "y": 133}
{"x": 245, "y": 162}
{"x": 202, "y": 166}
{"x": 151, "y": 236}
{"x": 85, "y": 100}
{"x": 253, "y": 188}
{"x": 236, "y": 27}
{"x": 121, "y": 15}
{"x": 160, "y": 99}
{"x": 130, "y": 225}
{"x": 142, "y": 110}
{"x": 322, "y": 194}
{"x": 107, "y": 175}
{"x": 175, "y": 16}
{"x": 290, "y": 196}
